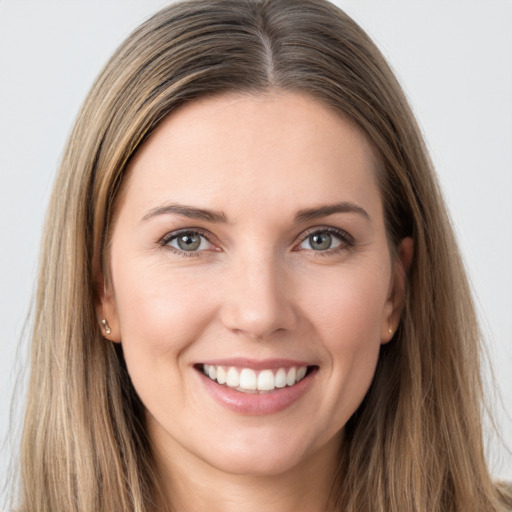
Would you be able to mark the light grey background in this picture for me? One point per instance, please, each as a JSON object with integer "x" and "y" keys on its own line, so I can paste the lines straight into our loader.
{"x": 454, "y": 59}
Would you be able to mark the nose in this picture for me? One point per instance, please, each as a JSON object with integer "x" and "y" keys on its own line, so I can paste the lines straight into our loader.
{"x": 258, "y": 298}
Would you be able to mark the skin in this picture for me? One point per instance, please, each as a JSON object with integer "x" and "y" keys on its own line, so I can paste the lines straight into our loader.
{"x": 256, "y": 288}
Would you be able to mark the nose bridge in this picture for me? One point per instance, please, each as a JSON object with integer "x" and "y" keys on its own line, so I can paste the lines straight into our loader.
{"x": 258, "y": 298}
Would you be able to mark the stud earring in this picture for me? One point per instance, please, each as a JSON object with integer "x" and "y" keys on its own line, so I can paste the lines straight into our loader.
{"x": 390, "y": 330}
{"x": 105, "y": 325}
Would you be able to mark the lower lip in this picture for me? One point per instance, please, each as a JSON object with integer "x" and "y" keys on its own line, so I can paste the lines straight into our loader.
{"x": 257, "y": 403}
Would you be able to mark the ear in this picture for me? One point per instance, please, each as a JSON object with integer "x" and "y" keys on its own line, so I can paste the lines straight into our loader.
{"x": 106, "y": 309}
{"x": 395, "y": 301}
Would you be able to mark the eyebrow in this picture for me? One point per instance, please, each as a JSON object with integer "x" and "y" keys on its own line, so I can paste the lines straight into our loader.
{"x": 323, "y": 211}
{"x": 187, "y": 211}
{"x": 304, "y": 215}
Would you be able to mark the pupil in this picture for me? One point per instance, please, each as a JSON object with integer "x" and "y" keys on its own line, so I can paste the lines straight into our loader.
{"x": 189, "y": 242}
{"x": 320, "y": 241}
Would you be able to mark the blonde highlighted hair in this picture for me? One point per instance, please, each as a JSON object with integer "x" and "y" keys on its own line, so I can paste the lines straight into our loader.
{"x": 415, "y": 443}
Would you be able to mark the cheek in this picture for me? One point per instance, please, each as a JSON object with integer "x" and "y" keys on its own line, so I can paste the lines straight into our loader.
{"x": 348, "y": 306}
{"x": 161, "y": 313}
{"x": 347, "y": 313}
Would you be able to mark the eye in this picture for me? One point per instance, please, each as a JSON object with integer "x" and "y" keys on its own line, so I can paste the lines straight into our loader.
{"x": 326, "y": 240}
{"x": 187, "y": 241}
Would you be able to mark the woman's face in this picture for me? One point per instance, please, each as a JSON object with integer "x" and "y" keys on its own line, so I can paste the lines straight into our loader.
{"x": 249, "y": 244}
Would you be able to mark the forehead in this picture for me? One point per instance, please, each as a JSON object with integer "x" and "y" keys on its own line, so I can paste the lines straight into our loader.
{"x": 278, "y": 148}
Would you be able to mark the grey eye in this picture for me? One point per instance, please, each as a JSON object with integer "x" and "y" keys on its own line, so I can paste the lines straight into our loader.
{"x": 189, "y": 241}
{"x": 321, "y": 241}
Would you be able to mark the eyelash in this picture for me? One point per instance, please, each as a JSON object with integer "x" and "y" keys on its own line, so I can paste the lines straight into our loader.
{"x": 164, "y": 242}
{"x": 347, "y": 240}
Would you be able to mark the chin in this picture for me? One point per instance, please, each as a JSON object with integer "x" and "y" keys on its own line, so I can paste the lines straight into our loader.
{"x": 266, "y": 453}
{"x": 261, "y": 465}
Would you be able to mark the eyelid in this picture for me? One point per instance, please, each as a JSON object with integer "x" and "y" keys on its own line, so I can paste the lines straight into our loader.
{"x": 171, "y": 235}
{"x": 346, "y": 238}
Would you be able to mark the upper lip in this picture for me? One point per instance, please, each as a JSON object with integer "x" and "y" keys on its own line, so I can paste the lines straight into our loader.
{"x": 256, "y": 364}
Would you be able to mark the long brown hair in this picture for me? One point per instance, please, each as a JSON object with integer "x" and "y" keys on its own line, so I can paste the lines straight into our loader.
{"x": 415, "y": 443}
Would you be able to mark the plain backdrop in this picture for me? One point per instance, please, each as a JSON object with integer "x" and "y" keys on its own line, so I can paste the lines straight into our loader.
{"x": 454, "y": 59}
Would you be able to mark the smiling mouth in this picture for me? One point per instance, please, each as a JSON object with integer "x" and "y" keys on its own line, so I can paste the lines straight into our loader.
{"x": 248, "y": 380}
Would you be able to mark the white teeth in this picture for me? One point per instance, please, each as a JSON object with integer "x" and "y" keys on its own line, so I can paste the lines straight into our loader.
{"x": 221, "y": 375}
{"x": 301, "y": 373}
{"x": 290, "y": 376}
{"x": 233, "y": 378}
{"x": 266, "y": 381}
{"x": 247, "y": 379}
{"x": 280, "y": 378}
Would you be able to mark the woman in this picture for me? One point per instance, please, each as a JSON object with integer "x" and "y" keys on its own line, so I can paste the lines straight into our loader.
{"x": 250, "y": 295}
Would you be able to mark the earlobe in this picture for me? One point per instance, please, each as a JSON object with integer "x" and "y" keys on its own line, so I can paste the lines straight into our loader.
{"x": 106, "y": 312}
{"x": 396, "y": 298}
{"x": 105, "y": 326}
